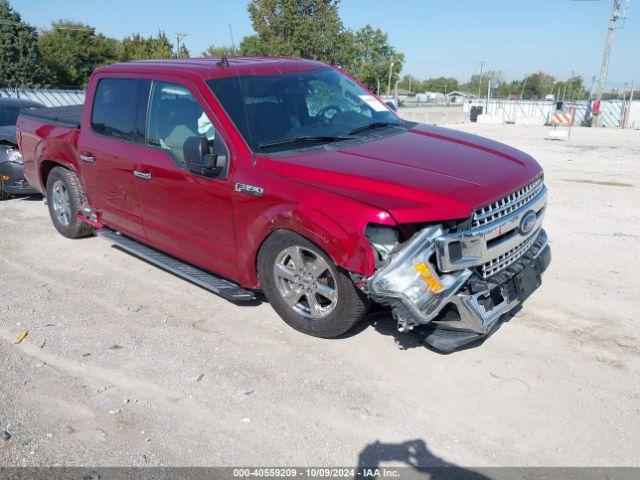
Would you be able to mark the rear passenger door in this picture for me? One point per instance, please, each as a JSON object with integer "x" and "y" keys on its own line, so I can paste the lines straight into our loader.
{"x": 111, "y": 142}
{"x": 185, "y": 214}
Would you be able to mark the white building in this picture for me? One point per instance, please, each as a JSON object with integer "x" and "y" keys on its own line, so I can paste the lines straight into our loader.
{"x": 457, "y": 97}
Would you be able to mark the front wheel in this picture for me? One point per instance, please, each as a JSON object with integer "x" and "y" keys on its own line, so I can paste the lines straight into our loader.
{"x": 65, "y": 197}
{"x": 305, "y": 287}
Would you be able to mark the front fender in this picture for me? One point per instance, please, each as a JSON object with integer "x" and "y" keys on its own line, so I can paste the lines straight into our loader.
{"x": 344, "y": 241}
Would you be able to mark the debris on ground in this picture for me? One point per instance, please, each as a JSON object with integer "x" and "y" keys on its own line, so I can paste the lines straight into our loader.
{"x": 22, "y": 336}
{"x": 4, "y": 435}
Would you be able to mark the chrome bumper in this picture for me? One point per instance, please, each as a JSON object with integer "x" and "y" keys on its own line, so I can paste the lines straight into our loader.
{"x": 485, "y": 253}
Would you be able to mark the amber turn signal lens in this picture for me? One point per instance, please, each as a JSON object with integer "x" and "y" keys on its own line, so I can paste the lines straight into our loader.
{"x": 5, "y": 177}
{"x": 430, "y": 278}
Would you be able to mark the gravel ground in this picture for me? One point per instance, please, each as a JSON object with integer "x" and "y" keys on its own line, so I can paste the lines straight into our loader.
{"x": 125, "y": 364}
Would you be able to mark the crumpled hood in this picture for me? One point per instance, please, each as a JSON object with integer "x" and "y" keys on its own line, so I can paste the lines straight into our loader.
{"x": 426, "y": 174}
{"x": 8, "y": 134}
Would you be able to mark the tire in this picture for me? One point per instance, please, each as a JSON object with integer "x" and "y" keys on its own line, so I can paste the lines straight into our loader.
{"x": 4, "y": 195}
{"x": 322, "y": 301}
{"x": 64, "y": 198}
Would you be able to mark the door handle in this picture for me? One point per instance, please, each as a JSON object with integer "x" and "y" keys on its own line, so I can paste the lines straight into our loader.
{"x": 142, "y": 175}
{"x": 87, "y": 158}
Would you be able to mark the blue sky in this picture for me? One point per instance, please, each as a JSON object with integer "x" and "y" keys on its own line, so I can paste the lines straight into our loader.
{"x": 437, "y": 37}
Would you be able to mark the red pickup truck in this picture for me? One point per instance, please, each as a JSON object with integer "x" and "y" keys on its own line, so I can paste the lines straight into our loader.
{"x": 289, "y": 177}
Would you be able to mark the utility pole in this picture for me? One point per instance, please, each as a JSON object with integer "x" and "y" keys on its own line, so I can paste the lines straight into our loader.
{"x": 233, "y": 44}
{"x": 615, "y": 16}
{"x": 633, "y": 87}
{"x": 489, "y": 91}
{"x": 390, "y": 72}
{"x": 179, "y": 36}
{"x": 525, "y": 84}
{"x": 571, "y": 83}
{"x": 480, "y": 82}
{"x": 593, "y": 81}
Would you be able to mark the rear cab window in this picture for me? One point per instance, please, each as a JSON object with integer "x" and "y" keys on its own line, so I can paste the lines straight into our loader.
{"x": 119, "y": 108}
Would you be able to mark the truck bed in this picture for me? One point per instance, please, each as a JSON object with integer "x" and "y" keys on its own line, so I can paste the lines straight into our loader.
{"x": 69, "y": 116}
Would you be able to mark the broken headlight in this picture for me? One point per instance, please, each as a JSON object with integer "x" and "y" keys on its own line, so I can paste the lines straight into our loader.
{"x": 384, "y": 240}
{"x": 410, "y": 273}
{"x": 14, "y": 155}
{"x": 410, "y": 279}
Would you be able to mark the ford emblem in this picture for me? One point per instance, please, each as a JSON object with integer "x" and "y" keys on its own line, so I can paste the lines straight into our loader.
{"x": 527, "y": 223}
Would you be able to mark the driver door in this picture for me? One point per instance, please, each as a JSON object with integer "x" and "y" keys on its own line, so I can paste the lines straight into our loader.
{"x": 184, "y": 214}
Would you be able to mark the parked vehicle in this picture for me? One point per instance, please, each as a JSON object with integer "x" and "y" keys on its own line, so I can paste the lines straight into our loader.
{"x": 12, "y": 181}
{"x": 289, "y": 177}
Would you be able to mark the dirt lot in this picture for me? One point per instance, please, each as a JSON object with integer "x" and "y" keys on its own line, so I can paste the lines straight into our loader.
{"x": 127, "y": 365}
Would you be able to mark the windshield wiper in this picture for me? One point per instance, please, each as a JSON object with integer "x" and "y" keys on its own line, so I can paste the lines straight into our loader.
{"x": 302, "y": 139}
{"x": 371, "y": 125}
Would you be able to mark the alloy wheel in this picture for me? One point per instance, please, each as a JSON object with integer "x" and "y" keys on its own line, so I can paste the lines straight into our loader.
{"x": 305, "y": 282}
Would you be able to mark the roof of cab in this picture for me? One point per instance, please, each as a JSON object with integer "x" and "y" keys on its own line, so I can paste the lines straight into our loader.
{"x": 210, "y": 67}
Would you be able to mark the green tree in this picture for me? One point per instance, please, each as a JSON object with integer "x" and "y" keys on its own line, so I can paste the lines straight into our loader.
{"x": 137, "y": 47}
{"x": 183, "y": 52}
{"x": 374, "y": 59}
{"x": 219, "y": 51}
{"x": 313, "y": 29}
{"x": 71, "y": 50}
{"x": 537, "y": 86}
{"x": 571, "y": 89}
{"x": 480, "y": 83}
{"x": 20, "y": 62}
{"x": 439, "y": 84}
{"x": 294, "y": 28}
{"x": 411, "y": 83}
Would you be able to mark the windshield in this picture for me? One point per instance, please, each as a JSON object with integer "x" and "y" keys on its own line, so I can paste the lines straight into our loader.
{"x": 293, "y": 110}
{"x": 9, "y": 116}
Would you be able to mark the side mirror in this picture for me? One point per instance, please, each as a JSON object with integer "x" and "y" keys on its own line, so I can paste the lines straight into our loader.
{"x": 392, "y": 105}
{"x": 199, "y": 159}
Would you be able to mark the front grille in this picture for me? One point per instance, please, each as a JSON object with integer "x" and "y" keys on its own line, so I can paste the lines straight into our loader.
{"x": 512, "y": 202}
{"x": 510, "y": 256}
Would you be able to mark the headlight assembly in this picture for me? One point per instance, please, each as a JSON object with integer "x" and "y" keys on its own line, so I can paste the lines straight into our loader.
{"x": 14, "y": 155}
{"x": 410, "y": 280}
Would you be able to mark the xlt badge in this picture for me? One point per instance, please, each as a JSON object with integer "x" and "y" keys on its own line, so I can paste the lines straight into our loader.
{"x": 250, "y": 189}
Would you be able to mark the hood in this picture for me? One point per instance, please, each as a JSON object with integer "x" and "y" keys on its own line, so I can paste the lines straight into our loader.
{"x": 8, "y": 134}
{"x": 425, "y": 174}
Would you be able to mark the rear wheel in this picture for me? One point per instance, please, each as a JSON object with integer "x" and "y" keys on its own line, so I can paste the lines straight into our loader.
{"x": 65, "y": 197}
{"x": 306, "y": 288}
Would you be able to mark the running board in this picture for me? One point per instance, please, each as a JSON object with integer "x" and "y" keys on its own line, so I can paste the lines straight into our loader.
{"x": 208, "y": 281}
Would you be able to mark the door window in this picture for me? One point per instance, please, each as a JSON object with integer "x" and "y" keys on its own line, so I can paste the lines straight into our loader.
{"x": 119, "y": 108}
{"x": 174, "y": 116}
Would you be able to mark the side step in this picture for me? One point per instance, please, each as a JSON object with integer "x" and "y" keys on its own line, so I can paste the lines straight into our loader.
{"x": 208, "y": 281}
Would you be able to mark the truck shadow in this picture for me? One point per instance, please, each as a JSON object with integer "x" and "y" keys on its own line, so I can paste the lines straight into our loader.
{"x": 413, "y": 455}
{"x": 30, "y": 198}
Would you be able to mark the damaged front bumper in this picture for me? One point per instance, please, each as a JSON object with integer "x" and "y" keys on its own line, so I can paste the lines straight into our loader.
{"x": 460, "y": 284}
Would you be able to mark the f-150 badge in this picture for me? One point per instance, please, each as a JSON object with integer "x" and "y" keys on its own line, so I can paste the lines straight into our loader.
{"x": 250, "y": 189}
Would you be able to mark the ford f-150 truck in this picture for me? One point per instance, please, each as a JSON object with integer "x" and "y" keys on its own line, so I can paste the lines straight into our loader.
{"x": 289, "y": 177}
